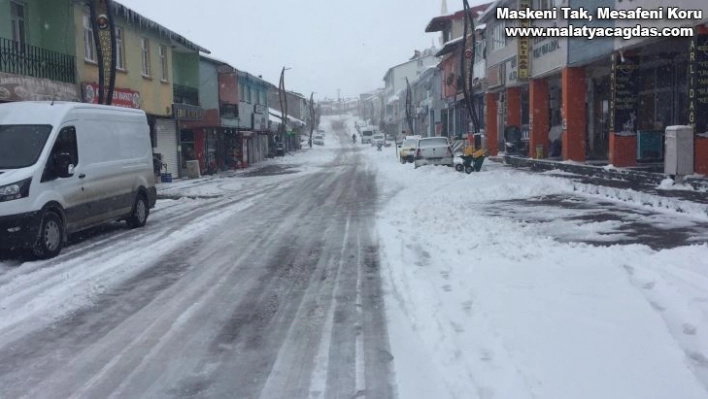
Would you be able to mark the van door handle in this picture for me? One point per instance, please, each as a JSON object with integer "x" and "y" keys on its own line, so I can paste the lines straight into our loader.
{"x": 81, "y": 176}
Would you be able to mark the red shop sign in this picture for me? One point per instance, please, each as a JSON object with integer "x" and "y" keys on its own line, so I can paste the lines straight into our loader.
{"x": 121, "y": 97}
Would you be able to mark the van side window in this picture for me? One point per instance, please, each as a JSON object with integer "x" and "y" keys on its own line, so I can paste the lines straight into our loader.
{"x": 65, "y": 144}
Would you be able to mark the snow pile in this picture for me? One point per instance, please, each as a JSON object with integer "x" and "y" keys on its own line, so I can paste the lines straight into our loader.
{"x": 669, "y": 184}
{"x": 491, "y": 306}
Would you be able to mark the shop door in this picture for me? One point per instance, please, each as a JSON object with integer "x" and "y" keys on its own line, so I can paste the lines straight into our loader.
{"x": 598, "y": 147}
{"x": 166, "y": 132}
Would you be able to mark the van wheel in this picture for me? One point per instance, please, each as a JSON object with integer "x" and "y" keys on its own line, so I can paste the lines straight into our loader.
{"x": 51, "y": 237}
{"x": 141, "y": 210}
{"x": 403, "y": 161}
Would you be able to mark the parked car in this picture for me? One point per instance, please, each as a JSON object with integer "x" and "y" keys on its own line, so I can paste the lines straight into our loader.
{"x": 406, "y": 152}
{"x": 433, "y": 151}
{"x": 318, "y": 140}
{"x": 67, "y": 167}
{"x": 379, "y": 138}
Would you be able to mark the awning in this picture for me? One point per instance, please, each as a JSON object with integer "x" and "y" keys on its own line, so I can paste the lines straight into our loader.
{"x": 276, "y": 116}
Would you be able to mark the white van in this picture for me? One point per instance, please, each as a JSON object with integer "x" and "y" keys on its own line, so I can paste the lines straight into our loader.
{"x": 66, "y": 167}
{"x": 367, "y": 136}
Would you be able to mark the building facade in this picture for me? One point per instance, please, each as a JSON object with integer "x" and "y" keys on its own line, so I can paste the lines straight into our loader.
{"x": 37, "y": 51}
{"x": 155, "y": 69}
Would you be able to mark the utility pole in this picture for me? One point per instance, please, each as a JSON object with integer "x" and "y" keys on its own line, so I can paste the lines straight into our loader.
{"x": 312, "y": 117}
{"x": 283, "y": 108}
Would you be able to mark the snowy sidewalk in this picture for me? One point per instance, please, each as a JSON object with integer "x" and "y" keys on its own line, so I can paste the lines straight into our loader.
{"x": 510, "y": 284}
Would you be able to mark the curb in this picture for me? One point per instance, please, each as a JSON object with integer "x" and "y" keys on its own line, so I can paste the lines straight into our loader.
{"x": 632, "y": 176}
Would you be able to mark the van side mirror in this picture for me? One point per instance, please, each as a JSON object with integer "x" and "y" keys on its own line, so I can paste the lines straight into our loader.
{"x": 63, "y": 165}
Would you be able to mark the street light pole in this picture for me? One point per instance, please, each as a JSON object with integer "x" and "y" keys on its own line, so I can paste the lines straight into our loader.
{"x": 101, "y": 12}
{"x": 283, "y": 108}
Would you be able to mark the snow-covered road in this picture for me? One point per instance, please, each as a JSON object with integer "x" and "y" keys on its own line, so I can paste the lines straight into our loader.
{"x": 339, "y": 272}
{"x": 268, "y": 288}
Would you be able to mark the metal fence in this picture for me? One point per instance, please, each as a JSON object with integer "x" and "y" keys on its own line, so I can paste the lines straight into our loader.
{"x": 27, "y": 60}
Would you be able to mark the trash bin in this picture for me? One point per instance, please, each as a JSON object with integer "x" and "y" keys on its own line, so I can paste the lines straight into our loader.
{"x": 193, "y": 171}
{"x": 678, "y": 159}
{"x": 539, "y": 151}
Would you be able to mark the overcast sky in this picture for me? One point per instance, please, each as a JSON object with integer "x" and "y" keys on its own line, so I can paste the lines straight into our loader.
{"x": 329, "y": 44}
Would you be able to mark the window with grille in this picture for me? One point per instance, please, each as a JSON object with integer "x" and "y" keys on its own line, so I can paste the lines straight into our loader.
{"x": 163, "y": 64}
{"x": 17, "y": 17}
{"x": 145, "y": 50}
{"x": 120, "y": 50}
{"x": 89, "y": 47}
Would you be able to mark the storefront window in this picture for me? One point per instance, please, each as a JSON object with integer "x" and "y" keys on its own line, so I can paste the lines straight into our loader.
{"x": 188, "y": 150}
{"x": 663, "y": 97}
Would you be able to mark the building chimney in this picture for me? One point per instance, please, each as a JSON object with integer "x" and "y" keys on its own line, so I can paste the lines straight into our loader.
{"x": 443, "y": 10}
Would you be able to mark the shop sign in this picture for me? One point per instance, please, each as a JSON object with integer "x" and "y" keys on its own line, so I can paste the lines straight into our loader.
{"x": 543, "y": 47}
{"x": 185, "y": 112}
{"x": 698, "y": 83}
{"x": 25, "y": 88}
{"x": 624, "y": 80}
{"x": 259, "y": 109}
{"x": 524, "y": 43}
{"x": 125, "y": 98}
{"x": 496, "y": 75}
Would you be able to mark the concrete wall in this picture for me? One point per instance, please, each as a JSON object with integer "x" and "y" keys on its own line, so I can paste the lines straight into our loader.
{"x": 581, "y": 50}
{"x": 209, "y": 87}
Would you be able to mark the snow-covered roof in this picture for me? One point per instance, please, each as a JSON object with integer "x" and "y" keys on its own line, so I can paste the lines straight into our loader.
{"x": 392, "y": 99}
{"x": 450, "y": 46}
{"x": 133, "y": 17}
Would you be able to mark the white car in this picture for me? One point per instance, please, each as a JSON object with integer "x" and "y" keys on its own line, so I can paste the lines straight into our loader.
{"x": 433, "y": 151}
{"x": 318, "y": 140}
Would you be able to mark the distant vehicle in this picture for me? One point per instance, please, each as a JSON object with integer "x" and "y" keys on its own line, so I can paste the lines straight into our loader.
{"x": 406, "y": 152}
{"x": 318, "y": 140}
{"x": 379, "y": 138}
{"x": 67, "y": 167}
{"x": 433, "y": 151}
{"x": 367, "y": 136}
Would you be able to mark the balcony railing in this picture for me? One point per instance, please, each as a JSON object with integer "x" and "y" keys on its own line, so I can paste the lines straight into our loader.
{"x": 185, "y": 95}
{"x": 23, "y": 59}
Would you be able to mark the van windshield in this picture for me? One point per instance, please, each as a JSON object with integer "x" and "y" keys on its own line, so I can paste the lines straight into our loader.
{"x": 20, "y": 145}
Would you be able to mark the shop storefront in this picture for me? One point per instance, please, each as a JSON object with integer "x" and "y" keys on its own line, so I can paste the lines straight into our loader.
{"x": 25, "y": 88}
{"x": 187, "y": 138}
{"x": 556, "y": 94}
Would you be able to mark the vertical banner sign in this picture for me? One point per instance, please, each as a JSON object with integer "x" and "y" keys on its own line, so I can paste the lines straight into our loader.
{"x": 624, "y": 80}
{"x": 522, "y": 69}
{"x": 698, "y": 83}
{"x": 104, "y": 38}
